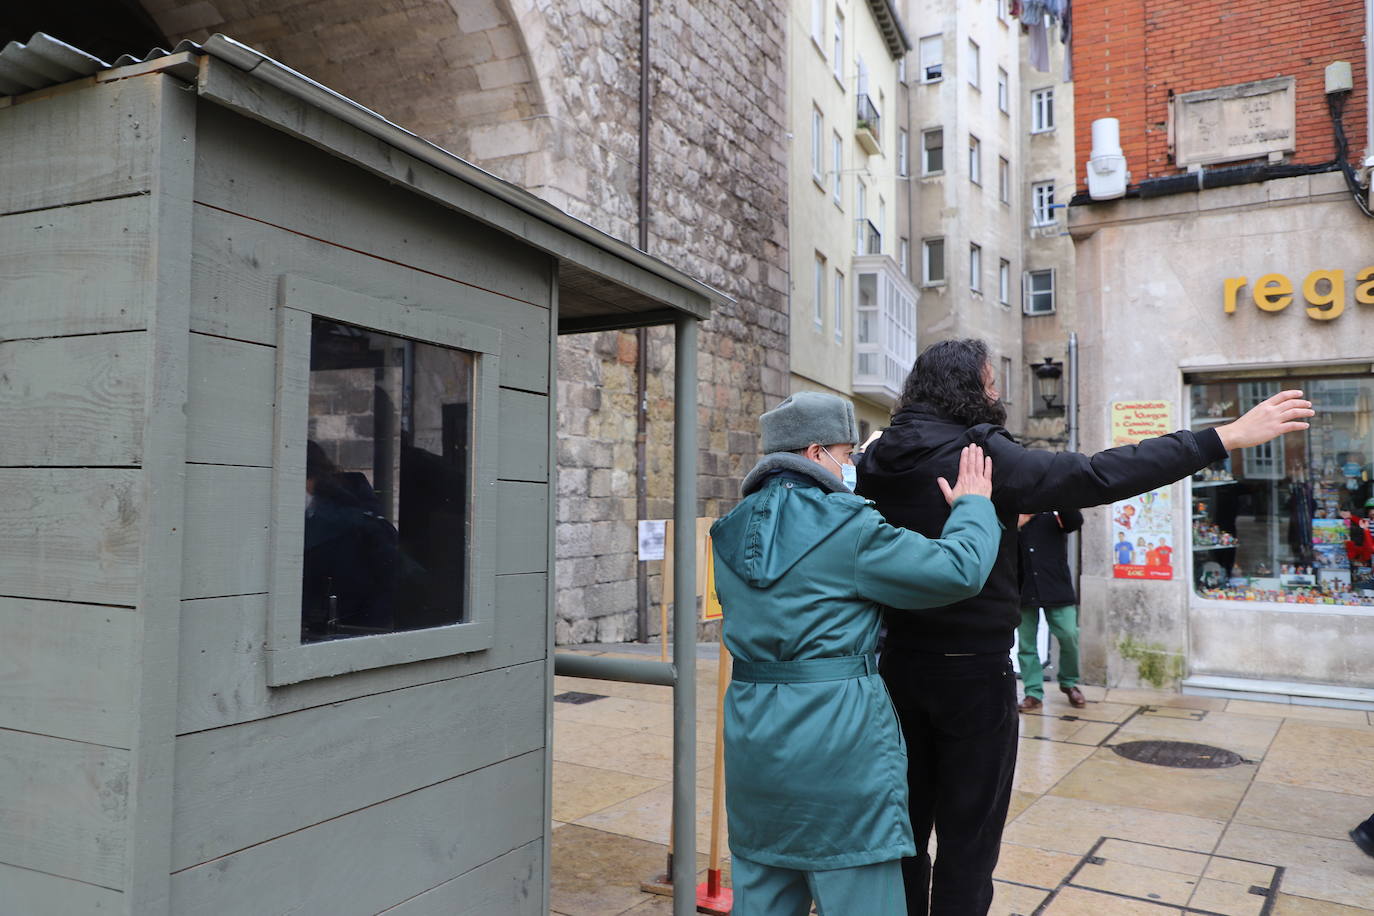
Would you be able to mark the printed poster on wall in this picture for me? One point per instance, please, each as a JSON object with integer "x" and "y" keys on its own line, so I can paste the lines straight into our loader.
{"x": 1142, "y": 526}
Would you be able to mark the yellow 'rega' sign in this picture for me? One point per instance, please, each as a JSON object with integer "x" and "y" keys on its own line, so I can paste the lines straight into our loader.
{"x": 1274, "y": 292}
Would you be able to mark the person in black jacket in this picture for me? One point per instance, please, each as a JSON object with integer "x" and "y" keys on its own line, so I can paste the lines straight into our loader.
{"x": 1046, "y": 583}
{"x": 949, "y": 669}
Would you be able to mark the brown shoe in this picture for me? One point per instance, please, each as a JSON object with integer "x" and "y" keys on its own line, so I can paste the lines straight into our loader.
{"x": 1029, "y": 704}
{"x": 1076, "y": 698}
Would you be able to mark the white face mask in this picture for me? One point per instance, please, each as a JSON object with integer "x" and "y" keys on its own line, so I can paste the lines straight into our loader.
{"x": 848, "y": 473}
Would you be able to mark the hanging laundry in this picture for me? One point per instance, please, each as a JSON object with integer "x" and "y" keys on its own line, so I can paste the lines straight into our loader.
{"x": 1066, "y": 36}
{"x": 1016, "y": 9}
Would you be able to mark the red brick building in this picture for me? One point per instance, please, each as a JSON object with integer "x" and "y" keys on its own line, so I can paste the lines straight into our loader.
{"x": 1131, "y": 57}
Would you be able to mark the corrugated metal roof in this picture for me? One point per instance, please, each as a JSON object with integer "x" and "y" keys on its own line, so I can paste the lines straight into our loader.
{"x": 46, "y": 61}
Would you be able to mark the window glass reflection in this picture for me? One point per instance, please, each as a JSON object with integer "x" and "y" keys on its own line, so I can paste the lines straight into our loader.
{"x": 387, "y": 474}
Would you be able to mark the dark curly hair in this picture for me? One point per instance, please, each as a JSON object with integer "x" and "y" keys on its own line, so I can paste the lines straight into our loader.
{"x": 948, "y": 378}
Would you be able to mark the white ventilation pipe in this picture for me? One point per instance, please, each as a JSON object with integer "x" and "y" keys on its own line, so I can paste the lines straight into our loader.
{"x": 1107, "y": 175}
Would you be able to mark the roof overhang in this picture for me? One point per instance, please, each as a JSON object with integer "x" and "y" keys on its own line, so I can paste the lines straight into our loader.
{"x": 603, "y": 282}
{"x": 890, "y": 24}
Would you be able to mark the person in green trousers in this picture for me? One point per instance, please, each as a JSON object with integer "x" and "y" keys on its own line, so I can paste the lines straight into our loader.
{"x": 1047, "y": 583}
{"x": 815, "y": 763}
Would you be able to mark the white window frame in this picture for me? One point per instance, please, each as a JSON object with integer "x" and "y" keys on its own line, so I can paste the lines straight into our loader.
{"x": 1002, "y": 11}
{"x": 1028, "y": 292}
{"x": 860, "y": 214}
{"x": 289, "y": 661}
{"x": 975, "y": 65}
{"x": 1004, "y": 180}
{"x": 817, "y": 149}
{"x": 975, "y": 160}
{"x": 1042, "y": 110}
{"x": 975, "y": 267}
{"x": 904, "y": 257}
{"x": 837, "y": 155}
{"x": 925, "y": 152}
{"x": 881, "y": 224}
{"x": 818, "y": 25}
{"x": 1004, "y": 281}
{"x": 903, "y": 152}
{"x": 932, "y": 51}
{"x": 818, "y": 292}
{"x": 1008, "y": 378}
{"x": 1042, "y": 203}
{"x": 837, "y": 293}
{"x": 901, "y": 70}
{"x": 838, "y": 62}
{"x": 927, "y": 246}
{"x": 1003, "y": 91}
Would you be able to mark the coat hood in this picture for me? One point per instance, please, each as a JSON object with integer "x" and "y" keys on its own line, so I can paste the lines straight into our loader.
{"x": 783, "y": 518}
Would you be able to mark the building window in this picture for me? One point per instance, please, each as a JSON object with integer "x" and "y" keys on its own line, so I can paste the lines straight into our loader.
{"x": 1003, "y": 91}
{"x": 932, "y": 261}
{"x": 837, "y": 57}
{"x": 901, "y": 70}
{"x": 932, "y": 58}
{"x": 1003, "y": 180}
{"x": 817, "y": 155}
{"x": 837, "y": 160}
{"x": 975, "y": 65}
{"x": 861, "y": 215}
{"x": 932, "y": 151}
{"x": 1042, "y": 110}
{"x": 904, "y": 257}
{"x": 903, "y": 152}
{"x": 1271, "y": 523}
{"x": 1007, "y": 378}
{"x": 882, "y": 225}
{"x": 1039, "y": 293}
{"x": 1002, "y": 10}
{"x": 818, "y": 291}
{"x": 837, "y": 298}
{"x": 975, "y": 268}
{"x": 1042, "y": 203}
{"x": 383, "y": 457}
{"x": 1004, "y": 281}
{"x": 975, "y": 160}
{"x": 818, "y": 25}
{"x": 884, "y": 333}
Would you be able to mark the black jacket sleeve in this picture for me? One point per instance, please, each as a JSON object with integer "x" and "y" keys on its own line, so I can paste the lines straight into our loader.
{"x": 1035, "y": 480}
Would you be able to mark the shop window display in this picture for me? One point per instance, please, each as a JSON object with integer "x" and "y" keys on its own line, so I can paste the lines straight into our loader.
{"x": 1289, "y": 521}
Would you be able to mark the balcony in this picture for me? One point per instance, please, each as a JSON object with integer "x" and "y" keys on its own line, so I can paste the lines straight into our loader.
{"x": 867, "y": 238}
{"x": 884, "y": 329}
{"x": 868, "y": 127}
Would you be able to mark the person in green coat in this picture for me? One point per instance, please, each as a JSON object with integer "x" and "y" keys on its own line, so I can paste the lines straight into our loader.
{"x": 815, "y": 764}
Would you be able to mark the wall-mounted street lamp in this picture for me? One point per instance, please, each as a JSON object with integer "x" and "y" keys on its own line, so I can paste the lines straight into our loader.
{"x": 1047, "y": 384}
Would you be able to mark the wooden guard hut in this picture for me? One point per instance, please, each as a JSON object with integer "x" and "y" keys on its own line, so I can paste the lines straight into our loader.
{"x": 277, "y": 388}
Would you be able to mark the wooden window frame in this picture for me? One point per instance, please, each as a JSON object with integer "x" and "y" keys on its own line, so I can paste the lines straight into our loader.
{"x": 290, "y": 661}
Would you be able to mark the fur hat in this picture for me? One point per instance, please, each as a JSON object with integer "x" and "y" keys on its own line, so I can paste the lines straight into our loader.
{"x": 807, "y": 417}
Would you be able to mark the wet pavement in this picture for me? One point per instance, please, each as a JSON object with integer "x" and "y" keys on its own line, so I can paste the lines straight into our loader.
{"x": 1089, "y": 832}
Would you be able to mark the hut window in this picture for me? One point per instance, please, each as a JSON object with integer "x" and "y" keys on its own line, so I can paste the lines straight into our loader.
{"x": 387, "y": 473}
{"x": 384, "y": 525}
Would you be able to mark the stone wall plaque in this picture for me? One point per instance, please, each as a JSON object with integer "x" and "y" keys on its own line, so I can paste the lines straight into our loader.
{"x": 1245, "y": 121}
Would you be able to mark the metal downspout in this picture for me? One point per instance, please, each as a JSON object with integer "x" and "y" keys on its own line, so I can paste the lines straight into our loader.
{"x": 1071, "y": 413}
{"x": 685, "y": 619}
{"x": 642, "y": 334}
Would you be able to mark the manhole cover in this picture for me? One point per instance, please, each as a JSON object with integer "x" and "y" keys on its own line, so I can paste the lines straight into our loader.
{"x": 1183, "y": 754}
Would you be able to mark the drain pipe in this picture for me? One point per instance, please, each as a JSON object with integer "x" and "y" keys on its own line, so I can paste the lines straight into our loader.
{"x": 642, "y": 334}
{"x": 1071, "y": 430}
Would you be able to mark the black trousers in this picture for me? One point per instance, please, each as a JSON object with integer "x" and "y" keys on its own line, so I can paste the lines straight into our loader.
{"x": 958, "y": 714}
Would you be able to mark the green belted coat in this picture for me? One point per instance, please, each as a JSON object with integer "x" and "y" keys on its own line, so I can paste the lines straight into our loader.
{"x": 815, "y": 764}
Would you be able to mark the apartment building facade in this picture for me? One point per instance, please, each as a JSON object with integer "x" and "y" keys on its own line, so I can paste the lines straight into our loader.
{"x": 853, "y": 308}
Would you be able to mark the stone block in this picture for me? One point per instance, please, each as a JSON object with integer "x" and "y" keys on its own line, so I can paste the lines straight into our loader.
{"x": 613, "y": 568}
{"x": 574, "y": 539}
{"x": 576, "y": 572}
{"x": 477, "y": 17}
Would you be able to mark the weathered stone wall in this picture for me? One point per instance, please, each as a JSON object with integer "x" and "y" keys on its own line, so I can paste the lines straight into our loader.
{"x": 544, "y": 93}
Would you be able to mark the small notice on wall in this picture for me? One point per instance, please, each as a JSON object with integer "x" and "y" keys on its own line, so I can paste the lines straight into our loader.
{"x": 652, "y": 534}
{"x": 1142, "y": 526}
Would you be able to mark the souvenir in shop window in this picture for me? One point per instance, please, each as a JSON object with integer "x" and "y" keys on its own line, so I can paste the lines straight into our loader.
{"x": 1287, "y": 522}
